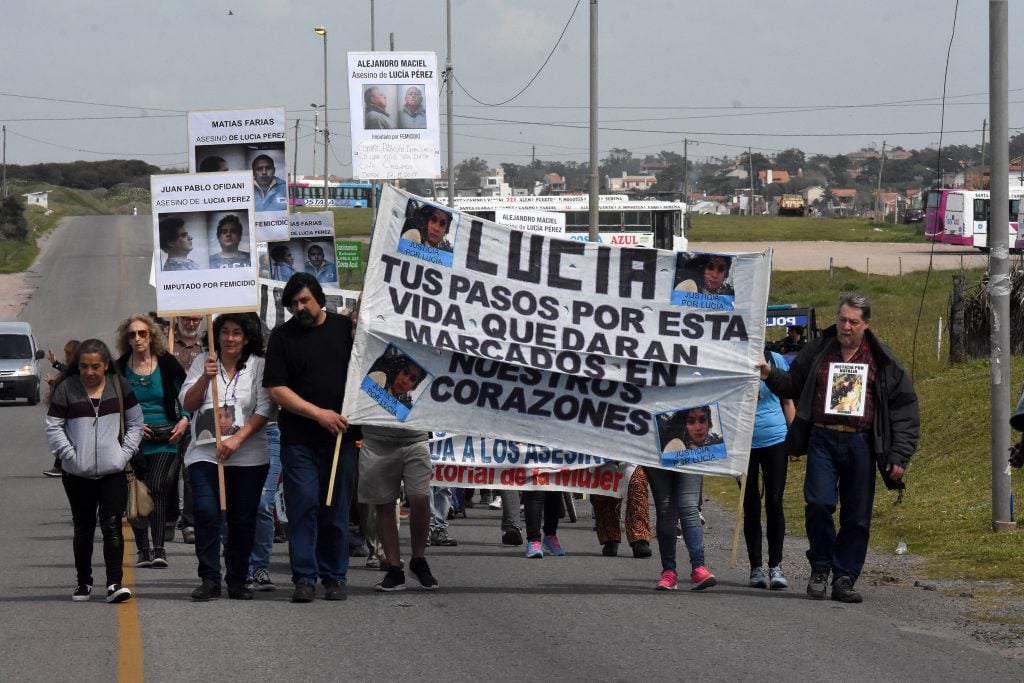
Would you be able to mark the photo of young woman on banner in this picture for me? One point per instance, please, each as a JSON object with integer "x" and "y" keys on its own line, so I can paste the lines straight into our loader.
{"x": 703, "y": 281}
{"x": 394, "y": 382}
{"x": 427, "y": 233}
{"x": 687, "y": 436}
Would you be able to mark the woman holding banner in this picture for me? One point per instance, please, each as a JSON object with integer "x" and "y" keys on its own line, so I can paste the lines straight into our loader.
{"x": 237, "y": 369}
{"x": 155, "y": 376}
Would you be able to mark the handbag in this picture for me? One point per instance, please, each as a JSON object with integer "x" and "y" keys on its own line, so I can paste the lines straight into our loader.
{"x": 161, "y": 433}
{"x": 140, "y": 502}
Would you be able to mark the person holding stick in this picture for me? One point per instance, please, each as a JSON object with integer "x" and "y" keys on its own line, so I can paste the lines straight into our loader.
{"x": 156, "y": 377}
{"x": 236, "y": 367}
{"x": 307, "y": 363}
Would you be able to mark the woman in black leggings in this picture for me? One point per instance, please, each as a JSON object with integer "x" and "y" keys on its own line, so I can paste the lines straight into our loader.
{"x": 156, "y": 378}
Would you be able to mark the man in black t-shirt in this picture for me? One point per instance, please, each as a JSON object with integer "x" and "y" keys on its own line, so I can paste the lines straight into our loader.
{"x": 307, "y": 363}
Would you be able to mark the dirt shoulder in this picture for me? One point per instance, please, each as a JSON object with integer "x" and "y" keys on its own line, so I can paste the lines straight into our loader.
{"x": 16, "y": 288}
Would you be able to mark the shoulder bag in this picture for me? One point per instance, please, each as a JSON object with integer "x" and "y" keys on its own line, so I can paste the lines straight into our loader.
{"x": 140, "y": 502}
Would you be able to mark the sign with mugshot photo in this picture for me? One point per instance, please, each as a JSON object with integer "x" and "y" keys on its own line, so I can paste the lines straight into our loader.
{"x": 394, "y": 113}
{"x": 251, "y": 140}
{"x": 704, "y": 281}
{"x": 533, "y": 338}
{"x": 311, "y": 250}
{"x": 394, "y": 382}
{"x": 204, "y": 243}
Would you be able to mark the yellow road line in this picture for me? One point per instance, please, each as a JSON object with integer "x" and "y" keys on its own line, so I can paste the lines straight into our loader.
{"x": 129, "y": 664}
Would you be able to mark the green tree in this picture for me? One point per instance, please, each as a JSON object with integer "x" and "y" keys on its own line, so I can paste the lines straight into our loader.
{"x": 13, "y": 225}
{"x": 468, "y": 172}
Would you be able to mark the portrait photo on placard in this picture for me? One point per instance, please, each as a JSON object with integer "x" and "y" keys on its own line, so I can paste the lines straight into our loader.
{"x": 690, "y": 435}
{"x": 428, "y": 233}
{"x": 704, "y": 281}
{"x": 203, "y": 424}
{"x": 229, "y": 238}
{"x": 395, "y": 381}
{"x": 183, "y": 241}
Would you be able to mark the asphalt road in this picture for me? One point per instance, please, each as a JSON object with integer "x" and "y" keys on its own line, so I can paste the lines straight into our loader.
{"x": 498, "y": 616}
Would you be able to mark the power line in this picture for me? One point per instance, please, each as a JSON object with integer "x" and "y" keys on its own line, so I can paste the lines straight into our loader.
{"x": 546, "y": 60}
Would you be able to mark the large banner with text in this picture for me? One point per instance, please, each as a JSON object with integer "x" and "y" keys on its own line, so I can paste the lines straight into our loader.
{"x": 629, "y": 353}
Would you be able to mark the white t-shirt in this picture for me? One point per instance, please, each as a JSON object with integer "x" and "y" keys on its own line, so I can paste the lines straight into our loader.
{"x": 245, "y": 395}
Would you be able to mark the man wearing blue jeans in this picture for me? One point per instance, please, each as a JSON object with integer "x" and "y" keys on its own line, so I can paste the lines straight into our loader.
{"x": 856, "y": 409}
{"x": 440, "y": 504}
{"x": 307, "y": 363}
{"x": 263, "y": 544}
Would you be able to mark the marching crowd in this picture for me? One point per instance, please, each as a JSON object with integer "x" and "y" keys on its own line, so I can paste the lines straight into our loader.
{"x": 156, "y": 409}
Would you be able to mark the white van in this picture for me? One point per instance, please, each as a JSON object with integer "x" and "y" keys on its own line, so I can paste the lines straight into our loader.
{"x": 19, "y": 375}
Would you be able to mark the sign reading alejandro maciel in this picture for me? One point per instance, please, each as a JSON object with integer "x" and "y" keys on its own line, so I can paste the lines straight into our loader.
{"x": 470, "y": 327}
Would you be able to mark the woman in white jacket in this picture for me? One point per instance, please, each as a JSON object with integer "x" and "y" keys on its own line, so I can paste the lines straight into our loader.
{"x": 83, "y": 429}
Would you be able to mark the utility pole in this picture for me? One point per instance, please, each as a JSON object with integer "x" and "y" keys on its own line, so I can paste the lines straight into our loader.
{"x": 295, "y": 152}
{"x": 981, "y": 178}
{"x": 373, "y": 182}
{"x": 750, "y": 161}
{"x": 448, "y": 76}
{"x": 878, "y": 190}
{"x": 5, "y": 162}
{"x": 686, "y": 183}
{"x": 316, "y": 124}
{"x": 998, "y": 264}
{"x": 595, "y": 180}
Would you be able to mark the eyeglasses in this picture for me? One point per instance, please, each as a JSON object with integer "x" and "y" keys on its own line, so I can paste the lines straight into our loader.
{"x": 141, "y": 334}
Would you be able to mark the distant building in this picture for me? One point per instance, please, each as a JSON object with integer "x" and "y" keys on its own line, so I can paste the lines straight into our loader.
{"x": 554, "y": 183}
{"x": 37, "y": 199}
{"x": 630, "y": 183}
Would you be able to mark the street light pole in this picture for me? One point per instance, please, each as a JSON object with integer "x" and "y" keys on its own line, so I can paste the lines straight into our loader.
{"x": 316, "y": 124}
{"x": 322, "y": 32}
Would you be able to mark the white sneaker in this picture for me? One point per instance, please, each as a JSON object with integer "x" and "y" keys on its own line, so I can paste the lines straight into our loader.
{"x": 495, "y": 504}
{"x": 118, "y": 593}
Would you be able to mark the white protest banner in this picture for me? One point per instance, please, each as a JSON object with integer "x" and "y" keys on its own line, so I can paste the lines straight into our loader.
{"x": 203, "y": 239}
{"x": 250, "y": 140}
{"x": 497, "y": 463}
{"x": 473, "y": 328}
{"x": 547, "y": 222}
{"x": 394, "y": 114}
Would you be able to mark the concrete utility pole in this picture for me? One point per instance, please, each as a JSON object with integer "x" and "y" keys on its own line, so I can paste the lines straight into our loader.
{"x": 981, "y": 177}
{"x": 322, "y": 32}
{"x": 448, "y": 75}
{"x": 295, "y": 152}
{"x": 750, "y": 162}
{"x": 5, "y": 163}
{"x": 316, "y": 124}
{"x": 595, "y": 180}
{"x": 878, "y": 190}
{"x": 998, "y": 264}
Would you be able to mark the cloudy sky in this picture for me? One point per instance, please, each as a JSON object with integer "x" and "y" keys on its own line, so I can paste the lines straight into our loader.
{"x": 102, "y": 79}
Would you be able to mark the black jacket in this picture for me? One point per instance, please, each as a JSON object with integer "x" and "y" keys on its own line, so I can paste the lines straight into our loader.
{"x": 897, "y": 423}
{"x": 172, "y": 376}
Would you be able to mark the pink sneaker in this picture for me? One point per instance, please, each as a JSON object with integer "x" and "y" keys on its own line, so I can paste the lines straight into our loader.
{"x": 552, "y": 545}
{"x": 668, "y": 582}
{"x": 701, "y": 578}
{"x": 534, "y": 549}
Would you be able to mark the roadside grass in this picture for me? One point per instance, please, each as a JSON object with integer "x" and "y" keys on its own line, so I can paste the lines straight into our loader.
{"x": 946, "y": 515}
{"x": 16, "y": 257}
{"x": 768, "y": 229}
{"x": 349, "y": 223}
